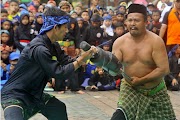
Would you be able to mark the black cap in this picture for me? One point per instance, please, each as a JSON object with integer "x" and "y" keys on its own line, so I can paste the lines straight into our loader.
{"x": 137, "y": 8}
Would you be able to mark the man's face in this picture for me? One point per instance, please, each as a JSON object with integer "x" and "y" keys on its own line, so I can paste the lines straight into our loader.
{"x": 60, "y": 32}
{"x": 14, "y": 7}
{"x": 65, "y": 8}
{"x": 25, "y": 20}
{"x": 136, "y": 24}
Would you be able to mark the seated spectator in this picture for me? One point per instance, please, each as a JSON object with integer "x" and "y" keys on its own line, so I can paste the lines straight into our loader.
{"x": 173, "y": 79}
{"x": 22, "y": 34}
{"x": 13, "y": 10}
{"x": 4, "y": 14}
{"x": 155, "y": 25}
{"x": 101, "y": 81}
{"x": 35, "y": 28}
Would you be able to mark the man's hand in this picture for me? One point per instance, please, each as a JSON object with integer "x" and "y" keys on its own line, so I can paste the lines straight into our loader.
{"x": 135, "y": 81}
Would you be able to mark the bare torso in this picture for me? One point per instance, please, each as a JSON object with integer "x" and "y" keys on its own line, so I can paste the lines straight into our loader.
{"x": 137, "y": 57}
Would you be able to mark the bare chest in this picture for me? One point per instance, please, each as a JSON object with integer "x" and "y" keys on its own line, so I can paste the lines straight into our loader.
{"x": 137, "y": 53}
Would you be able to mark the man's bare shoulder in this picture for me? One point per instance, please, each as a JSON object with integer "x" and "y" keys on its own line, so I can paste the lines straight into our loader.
{"x": 155, "y": 39}
{"x": 122, "y": 38}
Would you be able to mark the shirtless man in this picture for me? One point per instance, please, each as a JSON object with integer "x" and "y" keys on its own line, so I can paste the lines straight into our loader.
{"x": 144, "y": 58}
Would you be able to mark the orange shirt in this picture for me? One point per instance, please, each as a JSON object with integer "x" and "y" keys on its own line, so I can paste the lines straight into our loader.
{"x": 173, "y": 29}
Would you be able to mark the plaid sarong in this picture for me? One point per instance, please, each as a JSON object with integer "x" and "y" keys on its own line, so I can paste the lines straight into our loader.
{"x": 138, "y": 106}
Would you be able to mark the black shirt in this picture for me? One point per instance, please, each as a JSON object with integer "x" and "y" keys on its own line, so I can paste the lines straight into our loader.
{"x": 32, "y": 72}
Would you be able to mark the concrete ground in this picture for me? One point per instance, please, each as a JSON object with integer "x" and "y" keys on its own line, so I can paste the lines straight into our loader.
{"x": 96, "y": 105}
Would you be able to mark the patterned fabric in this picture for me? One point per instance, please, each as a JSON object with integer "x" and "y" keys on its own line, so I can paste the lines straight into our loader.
{"x": 51, "y": 21}
{"x": 137, "y": 106}
{"x": 28, "y": 112}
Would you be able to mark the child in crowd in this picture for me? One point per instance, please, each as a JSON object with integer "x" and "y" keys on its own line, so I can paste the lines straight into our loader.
{"x": 173, "y": 79}
{"x": 78, "y": 10}
{"x": 81, "y": 25}
{"x": 6, "y": 70}
{"x": 85, "y": 16}
{"x": 107, "y": 26}
{"x": 13, "y": 10}
{"x": 22, "y": 34}
{"x": 41, "y": 9}
{"x": 7, "y": 25}
{"x": 94, "y": 33}
{"x": 155, "y": 25}
{"x": 35, "y": 28}
{"x": 4, "y": 14}
{"x": 5, "y": 50}
{"x": 101, "y": 81}
{"x": 114, "y": 20}
{"x": 4, "y": 37}
{"x": 74, "y": 14}
{"x": 120, "y": 17}
{"x": 31, "y": 18}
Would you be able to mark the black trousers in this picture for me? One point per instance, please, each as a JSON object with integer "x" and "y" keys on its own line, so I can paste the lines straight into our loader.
{"x": 53, "y": 110}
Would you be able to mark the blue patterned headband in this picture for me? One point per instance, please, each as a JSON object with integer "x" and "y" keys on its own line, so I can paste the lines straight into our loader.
{"x": 51, "y": 21}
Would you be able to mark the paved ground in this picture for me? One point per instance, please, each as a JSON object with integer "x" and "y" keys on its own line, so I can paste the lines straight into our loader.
{"x": 97, "y": 105}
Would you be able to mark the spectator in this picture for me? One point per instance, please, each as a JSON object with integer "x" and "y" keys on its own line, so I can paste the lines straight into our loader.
{"x": 4, "y": 14}
{"x": 7, "y": 25}
{"x": 13, "y": 10}
{"x": 78, "y": 10}
{"x": 94, "y": 7}
{"x": 5, "y": 37}
{"x": 107, "y": 26}
{"x": 101, "y": 81}
{"x": 155, "y": 25}
{"x": 41, "y": 9}
{"x": 52, "y": 3}
{"x": 85, "y": 16}
{"x": 6, "y": 70}
{"x": 35, "y": 28}
{"x": 173, "y": 79}
{"x": 5, "y": 50}
{"x": 120, "y": 17}
{"x": 22, "y": 34}
{"x": 72, "y": 39}
{"x": 94, "y": 33}
{"x": 171, "y": 24}
{"x": 31, "y": 18}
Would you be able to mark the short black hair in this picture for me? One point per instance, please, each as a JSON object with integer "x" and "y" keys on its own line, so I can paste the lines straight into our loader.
{"x": 119, "y": 24}
{"x": 3, "y": 10}
{"x": 54, "y": 11}
{"x": 158, "y": 11}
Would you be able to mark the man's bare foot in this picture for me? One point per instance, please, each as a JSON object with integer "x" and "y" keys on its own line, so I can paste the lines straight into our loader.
{"x": 61, "y": 92}
{"x": 79, "y": 92}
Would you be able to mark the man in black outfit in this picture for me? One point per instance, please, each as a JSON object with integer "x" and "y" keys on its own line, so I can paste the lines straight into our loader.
{"x": 22, "y": 96}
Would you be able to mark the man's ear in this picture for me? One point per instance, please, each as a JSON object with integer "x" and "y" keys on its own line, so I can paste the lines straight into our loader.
{"x": 55, "y": 27}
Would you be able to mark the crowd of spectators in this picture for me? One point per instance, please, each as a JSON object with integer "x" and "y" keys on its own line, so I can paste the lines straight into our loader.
{"x": 21, "y": 22}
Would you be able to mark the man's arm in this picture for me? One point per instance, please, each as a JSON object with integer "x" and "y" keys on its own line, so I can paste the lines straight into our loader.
{"x": 162, "y": 30}
{"x": 159, "y": 55}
